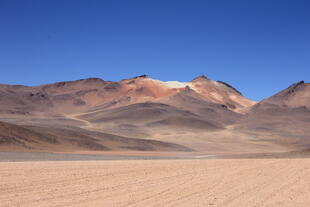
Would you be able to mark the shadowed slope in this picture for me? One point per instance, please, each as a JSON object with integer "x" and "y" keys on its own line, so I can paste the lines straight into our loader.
{"x": 13, "y": 137}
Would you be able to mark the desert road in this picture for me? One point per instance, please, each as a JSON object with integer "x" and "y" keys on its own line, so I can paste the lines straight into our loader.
{"x": 210, "y": 182}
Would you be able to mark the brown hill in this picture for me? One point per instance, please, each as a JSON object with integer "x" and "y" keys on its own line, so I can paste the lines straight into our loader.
{"x": 94, "y": 93}
{"x": 204, "y": 115}
{"x": 283, "y": 118}
{"x": 68, "y": 103}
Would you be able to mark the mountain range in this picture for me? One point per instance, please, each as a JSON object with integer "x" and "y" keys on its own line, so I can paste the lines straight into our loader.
{"x": 144, "y": 114}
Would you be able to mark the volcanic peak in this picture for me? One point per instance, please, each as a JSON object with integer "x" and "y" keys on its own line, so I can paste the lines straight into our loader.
{"x": 200, "y": 78}
{"x": 291, "y": 89}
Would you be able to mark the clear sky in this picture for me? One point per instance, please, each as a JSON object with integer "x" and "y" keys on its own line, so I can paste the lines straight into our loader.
{"x": 258, "y": 46}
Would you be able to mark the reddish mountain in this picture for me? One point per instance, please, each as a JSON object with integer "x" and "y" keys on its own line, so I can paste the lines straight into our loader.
{"x": 201, "y": 114}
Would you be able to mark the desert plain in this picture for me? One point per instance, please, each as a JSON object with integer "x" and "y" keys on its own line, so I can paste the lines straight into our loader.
{"x": 213, "y": 182}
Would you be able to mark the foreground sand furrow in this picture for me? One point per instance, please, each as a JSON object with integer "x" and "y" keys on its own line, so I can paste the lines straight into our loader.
{"x": 248, "y": 183}
{"x": 251, "y": 182}
{"x": 275, "y": 186}
{"x": 105, "y": 193}
{"x": 206, "y": 187}
{"x": 62, "y": 187}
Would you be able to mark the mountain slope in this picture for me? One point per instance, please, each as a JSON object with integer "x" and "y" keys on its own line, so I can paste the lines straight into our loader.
{"x": 141, "y": 113}
{"x": 94, "y": 102}
{"x": 29, "y": 138}
{"x": 94, "y": 93}
{"x": 282, "y": 118}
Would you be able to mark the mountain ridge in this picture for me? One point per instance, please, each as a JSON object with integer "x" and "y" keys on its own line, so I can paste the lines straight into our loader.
{"x": 199, "y": 115}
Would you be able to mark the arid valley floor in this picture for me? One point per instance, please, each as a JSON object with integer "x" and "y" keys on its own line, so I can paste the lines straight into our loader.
{"x": 214, "y": 182}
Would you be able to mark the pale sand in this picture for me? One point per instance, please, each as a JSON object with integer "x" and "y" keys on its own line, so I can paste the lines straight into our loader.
{"x": 247, "y": 182}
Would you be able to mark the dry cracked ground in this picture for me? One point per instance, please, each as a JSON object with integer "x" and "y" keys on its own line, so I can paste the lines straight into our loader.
{"x": 217, "y": 182}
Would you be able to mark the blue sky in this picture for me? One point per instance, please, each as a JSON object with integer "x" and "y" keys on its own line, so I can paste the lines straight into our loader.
{"x": 258, "y": 46}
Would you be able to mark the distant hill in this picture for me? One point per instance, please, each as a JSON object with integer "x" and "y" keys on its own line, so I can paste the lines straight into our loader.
{"x": 141, "y": 113}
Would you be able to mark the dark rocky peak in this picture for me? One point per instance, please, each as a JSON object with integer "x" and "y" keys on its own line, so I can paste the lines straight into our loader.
{"x": 229, "y": 86}
{"x": 141, "y": 76}
{"x": 295, "y": 85}
{"x": 136, "y": 77}
{"x": 291, "y": 89}
{"x": 93, "y": 80}
{"x": 200, "y": 78}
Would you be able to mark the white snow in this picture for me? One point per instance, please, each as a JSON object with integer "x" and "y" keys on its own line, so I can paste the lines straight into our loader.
{"x": 172, "y": 84}
{"x": 175, "y": 84}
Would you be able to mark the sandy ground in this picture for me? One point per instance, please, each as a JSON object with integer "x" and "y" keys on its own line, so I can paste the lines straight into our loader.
{"x": 217, "y": 182}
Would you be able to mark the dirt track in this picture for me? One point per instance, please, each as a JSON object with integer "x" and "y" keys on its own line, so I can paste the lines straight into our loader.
{"x": 269, "y": 182}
